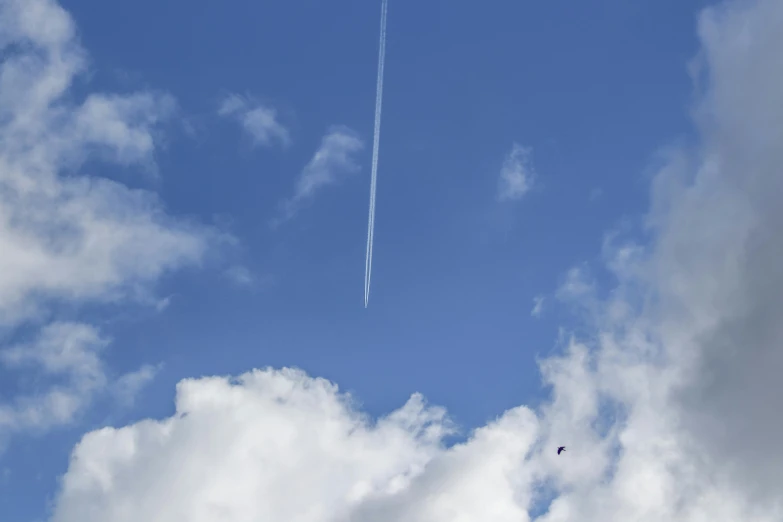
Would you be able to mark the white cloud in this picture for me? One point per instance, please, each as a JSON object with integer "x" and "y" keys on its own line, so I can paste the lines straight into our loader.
{"x": 69, "y": 352}
{"x": 128, "y": 386}
{"x": 580, "y": 288}
{"x": 240, "y": 275}
{"x": 538, "y": 306}
{"x": 667, "y": 408}
{"x": 333, "y": 158}
{"x": 66, "y": 236}
{"x": 163, "y": 304}
{"x": 272, "y": 445}
{"x": 717, "y": 262}
{"x": 73, "y": 237}
{"x": 516, "y": 175}
{"x": 260, "y": 121}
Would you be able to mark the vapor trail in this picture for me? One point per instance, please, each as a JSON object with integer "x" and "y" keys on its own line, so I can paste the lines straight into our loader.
{"x": 375, "y": 144}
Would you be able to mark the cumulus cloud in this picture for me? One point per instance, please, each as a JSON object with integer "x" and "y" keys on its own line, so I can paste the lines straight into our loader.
{"x": 66, "y": 236}
{"x": 717, "y": 261}
{"x": 667, "y": 407}
{"x": 259, "y": 121}
{"x": 276, "y": 445}
{"x": 333, "y": 159}
{"x": 516, "y": 175}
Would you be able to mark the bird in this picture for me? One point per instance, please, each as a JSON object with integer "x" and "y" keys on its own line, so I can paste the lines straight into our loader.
{"x": 561, "y": 448}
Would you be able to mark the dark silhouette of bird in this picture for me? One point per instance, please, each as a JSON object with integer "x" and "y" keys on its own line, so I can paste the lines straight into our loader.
{"x": 561, "y": 448}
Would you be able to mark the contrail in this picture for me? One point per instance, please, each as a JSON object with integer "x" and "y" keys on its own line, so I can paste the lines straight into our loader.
{"x": 375, "y": 144}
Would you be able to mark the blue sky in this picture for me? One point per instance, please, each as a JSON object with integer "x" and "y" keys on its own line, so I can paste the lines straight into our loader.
{"x": 455, "y": 271}
{"x": 593, "y": 90}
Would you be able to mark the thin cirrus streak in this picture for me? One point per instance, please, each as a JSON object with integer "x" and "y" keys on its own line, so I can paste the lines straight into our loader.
{"x": 375, "y": 144}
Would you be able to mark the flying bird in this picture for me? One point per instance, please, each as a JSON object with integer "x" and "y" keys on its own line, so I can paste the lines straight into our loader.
{"x": 561, "y": 448}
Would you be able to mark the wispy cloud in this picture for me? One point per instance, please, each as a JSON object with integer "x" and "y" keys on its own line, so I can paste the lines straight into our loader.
{"x": 240, "y": 275}
{"x": 538, "y": 306}
{"x": 333, "y": 159}
{"x": 128, "y": 386}
{"x": 258, "y": 120}
{"x": 516, "y": 174}
{"x": 163, "y": 304}
{"x": 69, "y": 351}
